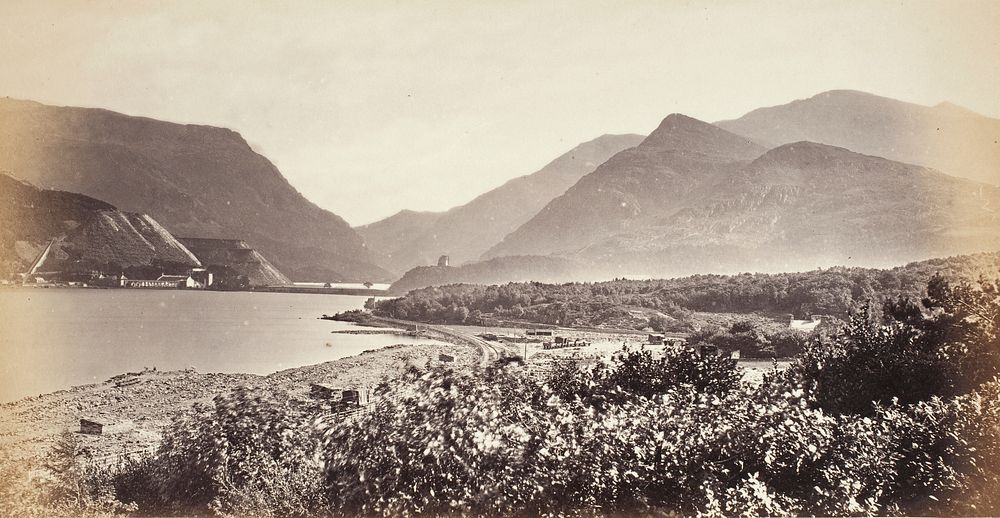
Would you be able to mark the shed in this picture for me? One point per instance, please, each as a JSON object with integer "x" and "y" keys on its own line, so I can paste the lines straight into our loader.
{"x": 353, "y": 397}
{"x": 656, "y": 339}
{"x": 321, "y": 391}
{"x": 445, "y": 357}
{"x": 350, "y": 397}
{"x": 89, "y": 426}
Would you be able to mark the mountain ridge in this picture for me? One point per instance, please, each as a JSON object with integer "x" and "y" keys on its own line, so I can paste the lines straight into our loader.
{"x": 660, "y": 171}
{"x": 799, "y": 205}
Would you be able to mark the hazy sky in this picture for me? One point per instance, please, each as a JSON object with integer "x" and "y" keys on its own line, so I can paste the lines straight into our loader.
{"x": 371, "y": 107}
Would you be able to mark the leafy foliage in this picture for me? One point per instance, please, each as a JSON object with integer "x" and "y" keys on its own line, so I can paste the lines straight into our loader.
{"x": 946, "y": 346}
{"x": 834, "y": 291}
{"x": 244, "y": 454}
{"x": 752, "y": 341}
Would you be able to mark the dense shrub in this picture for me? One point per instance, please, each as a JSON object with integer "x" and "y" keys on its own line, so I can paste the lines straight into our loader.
{"x": 752, "y": 341}
{"x": 243, "y": 454}
{"x": 64, "y": 483}
{"x": 946, "y": 346}
{"x": 638, "y": 372}
{"x": 457, "y": 443}
{"x": 947, "y": 454}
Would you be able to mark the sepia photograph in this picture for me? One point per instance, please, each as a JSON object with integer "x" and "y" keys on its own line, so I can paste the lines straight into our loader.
{"x": 343, "y": 258}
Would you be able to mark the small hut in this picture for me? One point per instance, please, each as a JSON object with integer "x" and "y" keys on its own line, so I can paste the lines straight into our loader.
{"x": 321, "y": 391}
{"x": 92, "y": 427}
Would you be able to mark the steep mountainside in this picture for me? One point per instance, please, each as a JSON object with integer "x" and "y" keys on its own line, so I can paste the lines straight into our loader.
{"x": 465, "y": 232}
{"x": 389, "y": 237}
{"x": 946, "y": 137}
{"x": 196, "y": 180}
{"x": 238, "y": 255}
{"x": 657, "y": 210}
{"x": 811, "y": 205}
{"x": 669, "y": 170}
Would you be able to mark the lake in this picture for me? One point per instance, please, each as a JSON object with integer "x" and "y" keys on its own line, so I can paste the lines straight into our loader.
{"x": 55, "y": 338}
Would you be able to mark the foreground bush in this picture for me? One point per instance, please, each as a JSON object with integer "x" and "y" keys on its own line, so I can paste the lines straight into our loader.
{"x": 453, "y": 443}
{"x": 946, "y": 346}
{"x": 245, "y": 454}
{"x": 64, "y": 483}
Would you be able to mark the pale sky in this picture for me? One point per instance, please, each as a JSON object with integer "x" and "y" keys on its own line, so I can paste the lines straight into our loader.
{"x": 371, "y": 107}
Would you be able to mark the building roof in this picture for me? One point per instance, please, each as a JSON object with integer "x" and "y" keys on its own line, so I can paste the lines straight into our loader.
{"x": 173, "y": 278}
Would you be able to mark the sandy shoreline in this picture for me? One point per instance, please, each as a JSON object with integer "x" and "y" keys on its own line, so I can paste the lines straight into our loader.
{"x": 138, "y": 406}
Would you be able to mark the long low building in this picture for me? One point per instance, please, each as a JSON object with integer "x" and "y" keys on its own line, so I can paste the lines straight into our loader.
{"x": 167, "y": 281}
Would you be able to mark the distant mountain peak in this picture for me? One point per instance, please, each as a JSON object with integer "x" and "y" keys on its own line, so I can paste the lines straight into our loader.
{"x": 678, "y": 123}
{"x": 945, "y": 137}
{"x": 845, "y": 92}
{"x": 950, "y": 107}
{"x": 807, "y": 153}
{"x": 679, "y": 132}
{"x": 808, "y": 146}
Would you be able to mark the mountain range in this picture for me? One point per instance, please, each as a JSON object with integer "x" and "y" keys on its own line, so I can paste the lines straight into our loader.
{"x": 945, "y": 137}
{"x": 696, "y": 198}
{"x": 840, "y": 178}
{"x": 672, "y": 167}
{"x": 689, "y": 197}
{"x": 409, "y": 239}
{"x": 196, "y": 180}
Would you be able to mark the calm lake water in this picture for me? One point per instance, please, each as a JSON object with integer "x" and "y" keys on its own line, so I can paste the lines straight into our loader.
{"x": 52, "y": 339}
